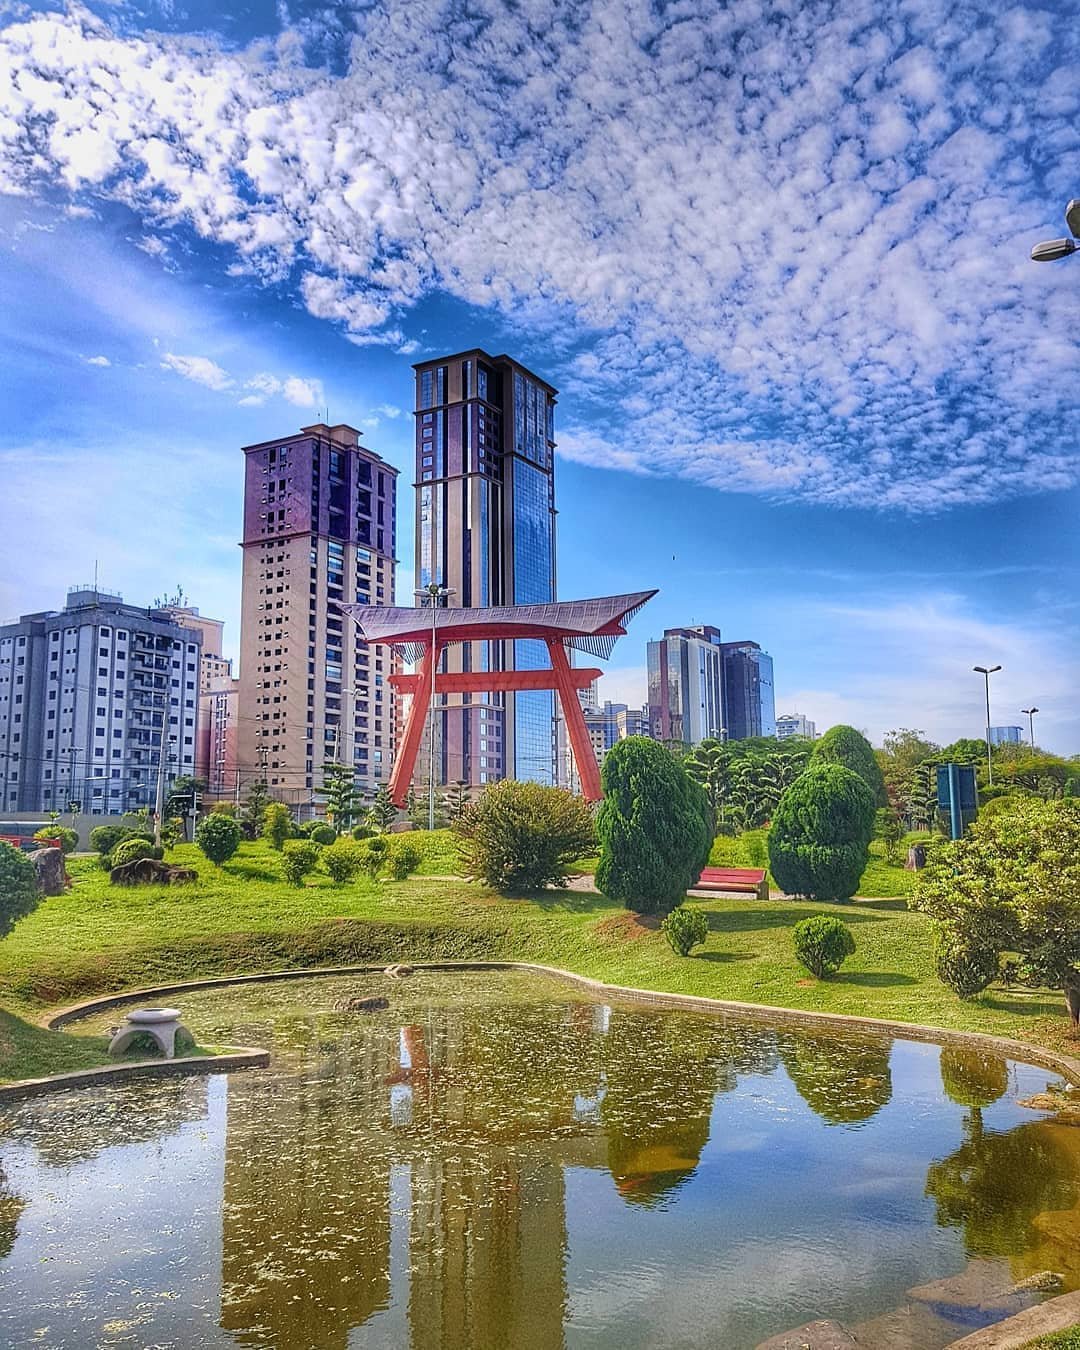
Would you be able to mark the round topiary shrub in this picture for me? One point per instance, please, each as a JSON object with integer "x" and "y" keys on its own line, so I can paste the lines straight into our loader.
{"x": 822, "y": 944}
{"x": 362, "y": 831}
{"x": 68, "y": 839}
{"x": 819, "y": 843}
{"x": 846, "y": 746}
{"x": 104, "y": 838}
{"x": 964, "y": 966}
{"x": 218, "y": 836}
{"x": 298, "y": 859}
{"x": 343, "y": 860}
{"x": 654, "y": 826}
{"x": 277, "y": 824}
{"x": 321, "y": 833}
{"x": 18, "y": 887}
{"x": 404, "y": 858}
{"x": 127, "y": 850}
{"x": 684, "y": 929}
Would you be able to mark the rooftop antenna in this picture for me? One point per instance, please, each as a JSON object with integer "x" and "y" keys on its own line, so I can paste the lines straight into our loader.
{"x": 95, "y": 579}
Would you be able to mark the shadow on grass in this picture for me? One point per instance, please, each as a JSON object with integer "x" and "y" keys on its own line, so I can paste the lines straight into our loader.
{"x": 891, "y": 904}
{"x": 723, "y": 958}
{"x": 571, "y": 902}
{"x": 1031, "y": 1005}
{"x": 753, "y": 920}
{"x": 872, "y": 979}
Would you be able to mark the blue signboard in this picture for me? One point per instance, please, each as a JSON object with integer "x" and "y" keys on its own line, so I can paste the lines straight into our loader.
{"x": 957, "y": 794}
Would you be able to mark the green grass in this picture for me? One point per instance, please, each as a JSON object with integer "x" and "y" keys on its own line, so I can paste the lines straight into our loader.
{"x": 243, "y": 918}
{"x": 1057, "y": 1340}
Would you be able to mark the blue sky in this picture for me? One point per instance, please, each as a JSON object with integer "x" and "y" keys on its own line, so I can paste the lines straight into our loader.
{"x": 775, "y": 258}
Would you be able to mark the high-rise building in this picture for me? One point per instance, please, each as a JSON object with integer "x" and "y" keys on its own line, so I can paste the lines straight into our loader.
{"x": 749, "y": 707}
{"x": 83, "y": 697}
{"x": 485, "y": 528}
{"x": 319, "y": 530}
{"x": 215, "y": 747}
{"x": 686, "y": 685}
{"x": 1006, "y": 735}
{"x": 794, "y": 724}
{"x": 213, "y": 666}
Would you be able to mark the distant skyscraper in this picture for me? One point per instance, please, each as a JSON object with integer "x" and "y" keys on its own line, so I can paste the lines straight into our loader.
{"x": 1006, "y": 735}
{"x": 83, "y": 694}
{"x": 319, "y": 513}
{"x": 794, "y": 724}
{"x": 218, "y": 724}
{"x": 686, "y": 685}
{"x": 485, "y": 527}
{"x": 749, "y": 709}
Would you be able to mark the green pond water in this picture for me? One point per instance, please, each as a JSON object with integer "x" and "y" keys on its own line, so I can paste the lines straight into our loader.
{"x": 496, "y": 1160}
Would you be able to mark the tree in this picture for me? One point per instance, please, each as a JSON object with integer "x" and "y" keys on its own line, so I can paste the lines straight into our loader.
{"x": 218, "y": 836}
{"x": 919, "y": 798}
{"x": 18, "y": 887}
{"x": 344, "y": 800}
{"x": 519, "y": 837}
{"x": 820, "y": 836}
{"x": 889, "y": 828}
{"x": 277, "y": 824}
{"x": 654, "y": 825}
{"x": 844, "y": 745}
{"x": 455, "y": 800}
{"x": 382, "y": 813}
{"x": 251, "y": 817}
{"x": 1012, "y": 885}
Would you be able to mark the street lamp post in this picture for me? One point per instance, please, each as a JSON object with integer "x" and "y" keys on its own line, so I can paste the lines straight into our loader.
{"x": 1030, "y": 713}
{"x": 434, "y": 593}
{"x": 986, "y": 672}
{"x": 1051, "y": 250}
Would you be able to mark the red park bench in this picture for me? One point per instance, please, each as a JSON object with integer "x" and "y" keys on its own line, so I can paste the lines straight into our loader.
{"x": 734, "y": 879}
{"x": 26, "y": 843}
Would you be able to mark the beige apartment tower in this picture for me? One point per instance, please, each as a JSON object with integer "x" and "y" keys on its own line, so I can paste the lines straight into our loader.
{"x": 319, "y": 531}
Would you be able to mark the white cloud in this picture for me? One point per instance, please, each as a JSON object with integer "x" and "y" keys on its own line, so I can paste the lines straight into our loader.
{"x": 302, "y": 393}
{"x": 795, "y": 240}
{"x": 200, "y": 369}
{"x": 97, "y": 360}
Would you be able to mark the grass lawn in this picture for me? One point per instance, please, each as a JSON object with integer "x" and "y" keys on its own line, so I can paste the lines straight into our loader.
{"x": 243, "y": 918}
{"x": 1057, "y": 1340}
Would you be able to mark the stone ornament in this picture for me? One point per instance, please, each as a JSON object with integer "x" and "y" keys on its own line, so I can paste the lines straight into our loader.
{"x": 160, "y": 1023}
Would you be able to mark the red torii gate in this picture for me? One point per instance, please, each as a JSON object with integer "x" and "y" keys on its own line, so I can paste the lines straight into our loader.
{"x": 588, "y": 625}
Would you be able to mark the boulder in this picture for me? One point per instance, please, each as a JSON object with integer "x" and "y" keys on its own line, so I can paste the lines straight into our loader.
{"x": 151, "y": 872}
{"x": 52, "y": 877}
{"x": 824, "y": 1335}
{"x": 364, "y": 1004}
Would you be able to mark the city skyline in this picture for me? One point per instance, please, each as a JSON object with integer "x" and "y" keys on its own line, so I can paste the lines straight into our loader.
{"x": 811, "y": 385}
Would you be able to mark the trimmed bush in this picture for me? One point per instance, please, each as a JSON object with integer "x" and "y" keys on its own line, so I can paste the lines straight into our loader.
{"x": 846, "y": 746}
{"x": 322, "y": 834}
{"x": 374, "y": 855}
{"x": 69, "y": 839}
{"x": 362, "y": 831}
{"x": 299, "y": 857}
{"x": 104, "y": 838}
{"x": 684, "y": 929}
{"x": 404, "y": 858}
{"x": 822, "y": 944}
{"x": 654, "y": 826}
{"x": 343, "y": 859}
{"x": 218, "y": 836}
{"x": 18, "y": 887}
{"x": 519, "y": 837}
{"x": 966, "y": 967}
{"x": 277, "y": 824}
{"x": 819, "y": 843}
{"x": 127, "y": 850}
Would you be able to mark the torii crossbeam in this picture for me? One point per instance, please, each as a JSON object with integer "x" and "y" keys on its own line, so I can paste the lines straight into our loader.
{"x": 588, "y": 625}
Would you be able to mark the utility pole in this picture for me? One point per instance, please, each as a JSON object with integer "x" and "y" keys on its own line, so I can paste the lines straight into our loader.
{"x": 1030, "y": 713}
{"x": 986, "y": 672}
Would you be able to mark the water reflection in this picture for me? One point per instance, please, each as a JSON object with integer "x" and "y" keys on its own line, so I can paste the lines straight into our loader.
{"x": 418, "y": 1174}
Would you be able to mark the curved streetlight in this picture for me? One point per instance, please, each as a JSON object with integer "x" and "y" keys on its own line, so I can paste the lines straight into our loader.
{"x": 986, "y": 672}
{"x": 1051, "y": 250}
{"x": 1030, "y": 714}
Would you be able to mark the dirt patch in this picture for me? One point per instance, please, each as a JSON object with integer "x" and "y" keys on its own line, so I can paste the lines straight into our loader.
{"x": 625, "y": 927}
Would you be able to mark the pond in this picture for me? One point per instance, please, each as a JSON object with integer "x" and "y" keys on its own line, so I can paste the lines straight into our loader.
{"x": 499, "y": 1160}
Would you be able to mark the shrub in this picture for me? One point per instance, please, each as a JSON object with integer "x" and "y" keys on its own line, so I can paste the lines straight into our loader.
{"x": 127, "y": 850}
{"x": 684, "y": 929}
{"x": 654, "y": 826}
{"x": 104, "y": 838}
{"x": 298, "y": 859}
{"x": 1002, "y": 805}
{"x": 362, "y": 831}
{"x": 218, "y": 836}
{"x": 846, "y": 746}
{"x": 965, "y": 967}
{"x": 374, "y": 855}
{"x": 18, "y": 887}
{"x": 404, "y": 858}
{"x": 820, "y": 837}
{"x": 522, "y": 836}
{"x": 822, "y": 944}
{"x": 69, "y": 839}
{"x": 277, "y": 824}
{"x": 322, "y": 834}
{"x": 342, "y": 859}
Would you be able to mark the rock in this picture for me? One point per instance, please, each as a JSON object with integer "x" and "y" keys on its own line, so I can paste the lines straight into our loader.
{"x": 398, "y": 972}
{"x": 1042, "y": 1282}
{"x": 813, "y": 1336}
{"x": 364, "y": 1004}
{"x": 916, "y": 858}
{"x": 151, "y": 872}
{"x": 52, "y": 877}
{"x": 1066, "y": 1108}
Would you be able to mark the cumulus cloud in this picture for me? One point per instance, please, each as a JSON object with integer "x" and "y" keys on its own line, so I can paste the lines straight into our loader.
{"x": 97, "y": 361}
{"x": 792, "y": 238}
{"x": 200, "y": 369}
{"x": 301, "y": 393}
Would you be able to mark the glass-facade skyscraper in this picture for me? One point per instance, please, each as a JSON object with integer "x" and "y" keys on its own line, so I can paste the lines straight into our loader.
{"x": 749, "y": 702}
{"x": 485, "y": 528}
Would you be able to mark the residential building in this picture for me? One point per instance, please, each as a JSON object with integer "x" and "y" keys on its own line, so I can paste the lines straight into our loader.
{"x": 749, "y": 707}
{"x": 686, "y": 685}
{"x": 216, "y": 748}
{"x": 84, "y": 693}
{"x": 1006, "y": 735}
{"x": 794, "y": 724}
{"x": 213, "y": 665}
{"x": 485, "y": 528}
{"x": 319, "y": 530}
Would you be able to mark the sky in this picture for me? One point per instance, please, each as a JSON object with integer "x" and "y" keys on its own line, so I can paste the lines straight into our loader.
{"x": 775, "y": 257}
